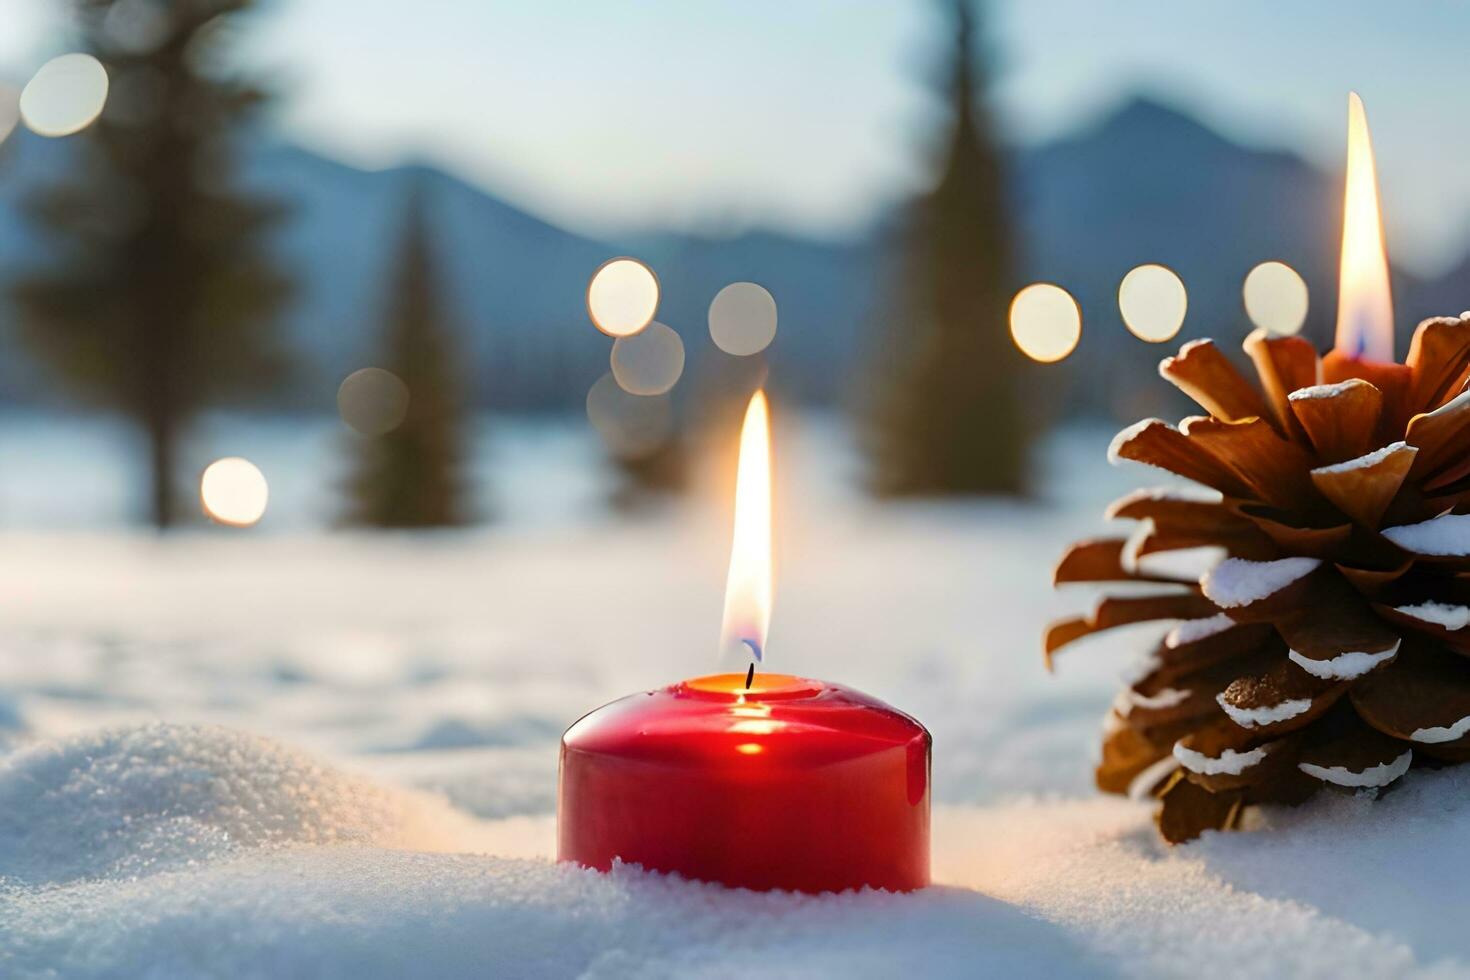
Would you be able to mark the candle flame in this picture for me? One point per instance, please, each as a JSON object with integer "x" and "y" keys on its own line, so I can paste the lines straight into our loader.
{"x": 1364, "y": 302}
{"x": 748, "y": 587}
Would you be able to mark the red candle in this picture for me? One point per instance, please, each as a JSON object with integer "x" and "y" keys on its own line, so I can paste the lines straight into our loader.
{"x": 756, "y": 781}
{"x": 794, "y": 784}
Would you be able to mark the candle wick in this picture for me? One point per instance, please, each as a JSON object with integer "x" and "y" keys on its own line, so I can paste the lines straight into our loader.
{"x": 749, "y": 676}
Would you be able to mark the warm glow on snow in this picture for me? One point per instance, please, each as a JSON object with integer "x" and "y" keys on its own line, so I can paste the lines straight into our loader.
{"x": 1364, "y": 302}
{"x": 748, "y": 588}
{"x": 233, "y": 491}
{"x": 622, "y": 297}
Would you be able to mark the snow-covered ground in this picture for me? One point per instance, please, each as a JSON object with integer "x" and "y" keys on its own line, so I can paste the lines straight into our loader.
{"x": 296, "y": 753}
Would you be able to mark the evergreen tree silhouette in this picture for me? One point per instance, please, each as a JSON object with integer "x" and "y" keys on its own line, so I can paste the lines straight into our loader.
{"x": 646, "y": 480}
{"x": 157, "y": 294}
{"x": 946, "y": 416}
{"x": 412, "y": 476}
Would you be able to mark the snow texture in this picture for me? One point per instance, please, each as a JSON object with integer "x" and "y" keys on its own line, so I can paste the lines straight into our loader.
{"x": 1187, "y": 424}
{"x": 1192, "y": 630}
{"x": 1129, "y": 556}
{"x": 1452, "y": 406}
{"x": 1447, "y": 535}
{"x": 1458, "y": 730}
{"x": 1270, "y": 714}
{"x": 399, "y": 819}
{"x": 1143, "y": 784}
{"x": 1115, "y": 448}
{"x": 1186, "y": 494}
{"x": 1366, "y": 461}
{"x": 1166, "y": 698}
{"x": 1128, "y": 699}
{"x": 1448, "y": 615}
{"x": 1168, "y": 362}
{"x": 1344, "y": 666}
{"x": 1237, "y": 582}
{"x": 1313, "y": 392}
{"x": 1229, "y": 762}
{"x": 1139, "y": 668}
{"x": 1370, "y": 778}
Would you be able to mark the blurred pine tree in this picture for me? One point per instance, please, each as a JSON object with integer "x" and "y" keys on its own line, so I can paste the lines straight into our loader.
{"x": 645, "y": 481}
{"x": 946, "y": 414}
{"x": 412, "y": 475}
{"x": 158, "y": 295}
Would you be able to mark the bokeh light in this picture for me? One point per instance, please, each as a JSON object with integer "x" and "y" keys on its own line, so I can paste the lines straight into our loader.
{"x": 1152, "y": 300}
{"x": 65, "y": 96}
{"x": 632, "y": 426}
{"x": 1276, "y": 298}
{"x": 137, "y": 26}
{"x": 1046, "y": 322}
{"x": 622, "y": 297}
{"x": 742, "y": 319}
{"x": 233, "y": 491}
{"x": 649, "y": 362}
{"x": 372, "y": 401}
{"x": 9, "y": 110}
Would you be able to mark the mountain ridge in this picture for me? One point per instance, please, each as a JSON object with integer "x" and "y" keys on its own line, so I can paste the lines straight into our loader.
{"x": 1145, "y": 182}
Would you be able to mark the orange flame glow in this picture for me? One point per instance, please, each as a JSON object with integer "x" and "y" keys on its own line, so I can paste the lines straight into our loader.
{"x": 748, "y": 587}
{"x": 1364, "y": 303}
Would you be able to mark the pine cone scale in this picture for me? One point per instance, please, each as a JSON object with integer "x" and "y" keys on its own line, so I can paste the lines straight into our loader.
{"x": 1331, "y": 645}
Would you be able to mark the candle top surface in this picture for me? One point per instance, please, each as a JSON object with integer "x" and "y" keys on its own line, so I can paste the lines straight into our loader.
{"x": 781, "y": 720}
{"x": 762, "y": 686}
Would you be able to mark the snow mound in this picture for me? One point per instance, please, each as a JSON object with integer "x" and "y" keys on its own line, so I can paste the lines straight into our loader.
{"x": 361, "y": 914}
{"x": 132, "y": 801}
{"x": 195, "y": 851}
{"x": 263, "y": 884}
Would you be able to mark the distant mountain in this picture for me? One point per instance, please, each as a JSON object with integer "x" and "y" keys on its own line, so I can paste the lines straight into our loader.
{"x": 1145, "y": 183}
{"x": 517, "y": 282}
{"x": 1151, "y": 184}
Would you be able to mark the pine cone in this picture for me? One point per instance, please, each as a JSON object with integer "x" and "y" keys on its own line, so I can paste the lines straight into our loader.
{"x": 1329, "y": 646}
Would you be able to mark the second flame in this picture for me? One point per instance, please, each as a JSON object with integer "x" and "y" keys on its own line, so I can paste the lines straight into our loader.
{"x": 1364, "y": 302}
{"x": 748, "y": 588}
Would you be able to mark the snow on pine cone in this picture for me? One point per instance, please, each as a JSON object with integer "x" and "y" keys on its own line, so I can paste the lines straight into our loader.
{"x": 1330, "y": 644}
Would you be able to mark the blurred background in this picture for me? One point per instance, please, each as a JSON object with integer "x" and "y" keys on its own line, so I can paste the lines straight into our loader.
{"x": 424, "y": 331}
{"x": 354, "y": 245}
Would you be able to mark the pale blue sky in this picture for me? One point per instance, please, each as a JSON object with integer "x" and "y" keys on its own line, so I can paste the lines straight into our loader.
{"x": 804, "y": 113}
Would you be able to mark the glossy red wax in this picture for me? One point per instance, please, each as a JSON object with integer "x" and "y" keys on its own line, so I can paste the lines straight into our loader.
{"x": 797, "y": 784}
